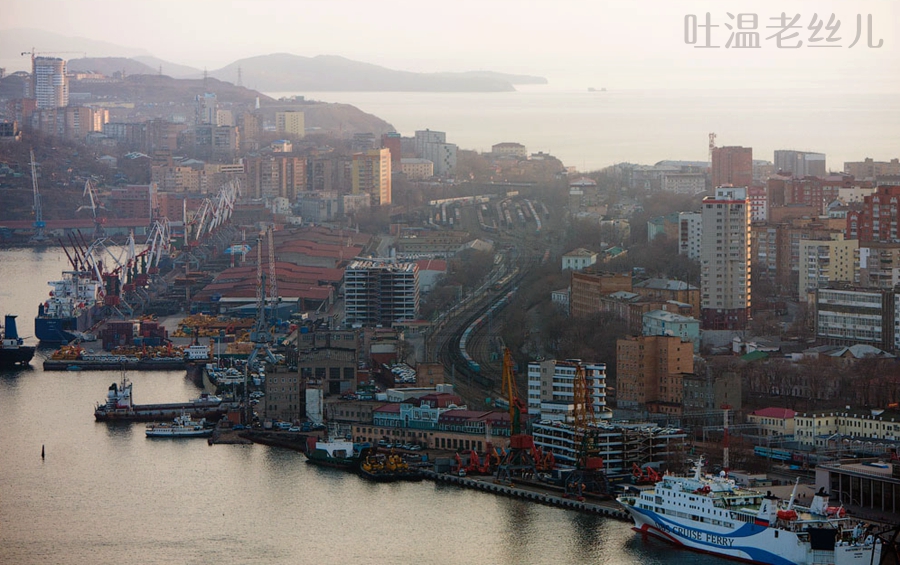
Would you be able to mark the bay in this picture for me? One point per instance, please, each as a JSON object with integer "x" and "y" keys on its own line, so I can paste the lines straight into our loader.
{"x": 592, "y": 130}
{"x": 105, "y": 494}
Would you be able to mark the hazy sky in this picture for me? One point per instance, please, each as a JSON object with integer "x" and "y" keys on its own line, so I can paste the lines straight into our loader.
{"x": 634, "y": 44}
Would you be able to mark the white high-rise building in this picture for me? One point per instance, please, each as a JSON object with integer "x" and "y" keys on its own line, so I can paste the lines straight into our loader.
{"x": 207, "y": 109}
{"x": 49, "y": 83}
{"x": 690, "y": 230}
{"x": 725, "y": 260}
{"x": 551, "y": 389}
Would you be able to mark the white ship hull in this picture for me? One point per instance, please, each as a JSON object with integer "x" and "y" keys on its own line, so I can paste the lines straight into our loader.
{"x": 750, "y": 542}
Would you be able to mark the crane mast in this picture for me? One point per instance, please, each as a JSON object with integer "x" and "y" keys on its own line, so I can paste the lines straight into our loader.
{"x": 39, "y": 223}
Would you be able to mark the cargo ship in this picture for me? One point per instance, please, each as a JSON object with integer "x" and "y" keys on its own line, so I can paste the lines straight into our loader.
{"x": 711, "y": 514}
{"x": 118, "y": 406}
{"x": 13, "y": 350}
{"x": 73, "y": 307}
{"x": 340, "y": 454}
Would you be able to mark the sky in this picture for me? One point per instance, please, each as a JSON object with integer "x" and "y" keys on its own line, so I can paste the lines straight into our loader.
{"x": 634, "y": 44}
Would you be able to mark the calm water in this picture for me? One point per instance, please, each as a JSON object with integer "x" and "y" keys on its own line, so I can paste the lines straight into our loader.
{"x": 106, "y": 494}
{"x": 590, "y": 130}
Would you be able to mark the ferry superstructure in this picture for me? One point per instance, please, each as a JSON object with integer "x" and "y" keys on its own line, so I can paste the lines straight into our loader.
{"x": 713, "y": 515}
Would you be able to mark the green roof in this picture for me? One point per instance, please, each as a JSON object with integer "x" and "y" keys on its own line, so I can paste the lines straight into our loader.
{"x": 755, "y": 356}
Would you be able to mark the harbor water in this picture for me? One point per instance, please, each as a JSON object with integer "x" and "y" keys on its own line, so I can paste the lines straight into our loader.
{"x": 106, "y": 494}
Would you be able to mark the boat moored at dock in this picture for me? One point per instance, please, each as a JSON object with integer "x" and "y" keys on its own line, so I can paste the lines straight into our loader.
{"x": 181, "y": 427}
{"x": 118, "y": 406}
{"x": 13, "y": 350}
{"x": 340, "y": 454}
{"x": 713, "y": 515}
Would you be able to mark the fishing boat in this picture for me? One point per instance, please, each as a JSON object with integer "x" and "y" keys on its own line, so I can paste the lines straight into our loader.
{"x": 13, "y": 350}
{"x": 182, "y": 426}
{"x": 712, "y": 514}
{"x": 340, "y": 454}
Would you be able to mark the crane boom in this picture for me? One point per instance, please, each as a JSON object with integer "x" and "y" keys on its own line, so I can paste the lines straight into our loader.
{"x": 39, "y": 223}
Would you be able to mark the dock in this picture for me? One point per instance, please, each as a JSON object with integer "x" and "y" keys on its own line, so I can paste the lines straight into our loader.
{"x": 606, "y": 508}
{"x": 174, "y": 364}
{"x": 162, "y": 412}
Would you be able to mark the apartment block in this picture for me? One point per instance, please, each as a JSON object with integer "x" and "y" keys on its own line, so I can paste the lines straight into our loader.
{"x": 877, "y": 220}
{"x": 732, "y": 166}
{"x": 869, "y": 169}
{"x": 588, "y": 288}
{"x": 848, "y": 315}
{"x": 690, "y": 231}
{"x": 291, "y": 122}
{"x": 415, "y": 168}
{"x": 551, "y": 389}
{"x": 827, "y": 261}
{"x": 371, "y": 174}
{"x": 879, "y": 265}
{"x": 725, "y": 260}
{"x": 800, "y": 163}
{"x": 649, "y": 372}
{"x": 663, "y": 323}
{"x": 49, "y": 83}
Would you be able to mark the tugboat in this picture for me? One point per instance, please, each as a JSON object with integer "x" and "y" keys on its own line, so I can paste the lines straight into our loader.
{"x": 340, "y": 454}
{"x": 13, "y": 350}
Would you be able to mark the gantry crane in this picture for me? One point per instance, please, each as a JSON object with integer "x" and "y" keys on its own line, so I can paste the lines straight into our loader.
{"x": 91, "y": 192}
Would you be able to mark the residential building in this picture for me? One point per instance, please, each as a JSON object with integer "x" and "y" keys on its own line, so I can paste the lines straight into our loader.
{"x": 732, "y": 166}
{"x": 292, "y": 122}
{"x": 393, "y": 142}
{"x": 773, "y": 422}
{"x": 879, "y": 265}
{"x": 509, "y": 149}
{"x": 725, "y": 260}
{"x": 551, "y": 389}
{"x": 424, "y": 137}
{"x": 800, "y": 163}
{"x": 319, "y": 207}
{"x": 49, "y": 83}
{"x": 877, "y": 220}
{"x": 579, "y": 259}
{"x": 827, "y": 261}
{"x": 869, "y": 169}
{"x": 649, "y": 372}
{"x": 443, "y": 155}
{"x": 276, "y": 175}
{"x": 683, "y": 183}
{"x": 207, "y": 107}
{"x": 380, "y": 293}
{"x": 588, "y": 288}
{"x": 690, "y": 234}
{"x": 759, "y": 205}
{"x": 371, "y": 174}
{"x": 415, "y": 168}
{"x": 818, "y": 429}
{"x": 668, "y": 290}
{"x": 663, "y": 323}
{"x": 667, "y": 226}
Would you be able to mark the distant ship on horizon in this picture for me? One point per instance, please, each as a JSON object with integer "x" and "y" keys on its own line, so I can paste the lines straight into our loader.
{"x": 592, "y": 89}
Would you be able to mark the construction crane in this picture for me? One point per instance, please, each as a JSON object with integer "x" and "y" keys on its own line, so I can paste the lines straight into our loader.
{"x": 39, "y": 223}
{"x": 34, "y": 53}
{"x": 274, "y": 299}
{"x": 588, "y": 476}
{"x": 260, "y": 335}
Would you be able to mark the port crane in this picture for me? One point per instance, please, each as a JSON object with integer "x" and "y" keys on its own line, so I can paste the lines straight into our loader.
{"x": 90, "y": 192}
{"x": 522, "y": 458}
{"x": 588, "y": 476}
{"x": 261, "y": 336}
{"x": 34, "y": 53}
{"x": 39, "y": 223}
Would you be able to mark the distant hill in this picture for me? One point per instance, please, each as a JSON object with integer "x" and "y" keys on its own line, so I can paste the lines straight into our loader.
{"x": 283, "y": 72}
{"x": 173, "y": 70}
{"x": 152, "y": 88}
{"x": 15, "y": 41}
{"x": 512, "y": 79}
{"x": 110, "y": 65}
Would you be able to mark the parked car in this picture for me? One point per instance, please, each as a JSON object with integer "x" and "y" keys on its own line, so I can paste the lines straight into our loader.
{"x": 415, "y": 447}
{"x": 294, "y": 429}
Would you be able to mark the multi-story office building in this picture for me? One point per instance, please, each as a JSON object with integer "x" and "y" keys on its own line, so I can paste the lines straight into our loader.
{"x": 589, "y": 288}
{"x": 649, "y": 372}
{"x": 49, "y": 83}
{"x": 732, "y": 166}
{"x": 415, "y": 168}
{"x": 827, "y": 261}
{"x": 725, "y": 259}
{"x": 443, "y": 155}
{"x": 800, "y": 163}
{"x": 427, "y": 136}
{"x": 371, "y": 173}
{"x": 291, "y": 122}
{"x": 551, "y": 389}
{"x": 690, "y": 232}
{"x": 380, "y": 293}
{"x": 847, "y": 316}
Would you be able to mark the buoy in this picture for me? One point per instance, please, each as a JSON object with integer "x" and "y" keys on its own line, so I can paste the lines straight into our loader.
{"x": 42, "y": 451}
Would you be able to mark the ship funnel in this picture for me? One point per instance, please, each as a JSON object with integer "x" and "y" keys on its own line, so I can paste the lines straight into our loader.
{"x": 10, "y": 325}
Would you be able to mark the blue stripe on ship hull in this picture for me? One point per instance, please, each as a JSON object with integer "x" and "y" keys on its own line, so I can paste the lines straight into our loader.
{"x": 753, "y": 553}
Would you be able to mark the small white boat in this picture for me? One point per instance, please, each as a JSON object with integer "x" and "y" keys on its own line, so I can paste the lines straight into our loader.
{"x": 182, "y": 426}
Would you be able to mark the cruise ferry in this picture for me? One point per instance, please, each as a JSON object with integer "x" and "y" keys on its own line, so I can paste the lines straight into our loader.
{"x": 713, "y": 515}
